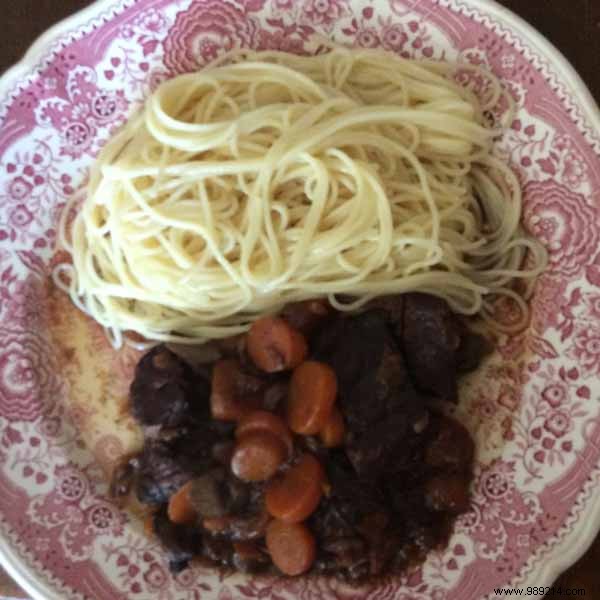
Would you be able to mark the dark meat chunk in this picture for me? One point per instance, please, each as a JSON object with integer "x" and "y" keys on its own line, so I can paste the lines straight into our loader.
{"x": 233, "y": 347}
{"x": 223, "y": 451}
{"x": 381, "y": 554}
{"x": 376, "y": 394}
{"x": 424, "y": 536}
{"x": 372, "y": 378}
{"x": 306, "y": 316}
{"x": 328, "y": 521}
{"x": 345, "y": 550}
{"x": 374, "y": 526}
{"x": 349, "y": 501}
{"x": 166, "y": 463}
{"x": 236, "y": 390}
{"x": 218, "y": 550}
{"x": 431, "y": 339}
{"x": 160, "y": 473}
{"x": 165, "y": 391}
{"x": 236, "y": 495}
{"x": 197, "y": 356}
{"x": 206, "y": 494}
{"x": 181, "y": 542}
{"x": 275, "y": 395}
{"x": 452, "y": 447}
{"x": 447, "y": 493}
{"x": 194, "y": 448}
{"x": 393, "y": 310}
{"x": 405, "y": 499}
{"x": 252, "y": 526}
{"x": 473, "y": 348}
{"x": 216, "y": 494}
{"x": 359, "y": 570}
{"x": 386, "y": 446}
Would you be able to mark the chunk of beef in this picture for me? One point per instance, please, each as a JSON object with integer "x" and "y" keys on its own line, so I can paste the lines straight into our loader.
{"x": 379, "y": 402}
{"x": 275, "y": 394}
{"x": 194, "y": 448}
{"x": 346, "y": 549}
{"x": 372, "y": 378}
{"x": 181, "y": 542}
{"x": 372, "y": 448}
{"x": 217, "y": 493}
{"x": 197, "y": 356}
{"x": 473, "y": 348}
{"x": 451, "y": 446}
{"x": 165, "y": 392}
{"x": 447, "y": 493}
{"x": 160, "y": 473}
{"x": 306, "y": 316}
{"x": 250, "y": 526}
{"x": 393, "y": 310}
{"x": 236, "y": 390}
{"x": 431, "y": 338}
{"x": 206, "y": 494}
{"x": 218, "y": 550}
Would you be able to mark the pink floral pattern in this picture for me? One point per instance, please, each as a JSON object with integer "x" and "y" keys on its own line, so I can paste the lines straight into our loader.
{"x": 204, "y": 31}
{"x": 532, "y": 406}
{"x": 560, "y": 218}
{"x": 27, "y": 374}
{"x": 324, "y": 13}
{"x": 79, "y": 117}
{"x": 586, "y": 349}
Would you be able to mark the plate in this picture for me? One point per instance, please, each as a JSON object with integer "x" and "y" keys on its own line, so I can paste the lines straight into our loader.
{"x": 533, "y": 407}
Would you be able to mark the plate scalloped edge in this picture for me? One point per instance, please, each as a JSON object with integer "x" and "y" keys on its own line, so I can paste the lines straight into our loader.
{"x": 561, "y": 550}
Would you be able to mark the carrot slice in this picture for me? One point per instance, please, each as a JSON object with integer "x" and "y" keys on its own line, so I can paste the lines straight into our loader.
{"x": 257, "y": 456}
{"x": 263, "y": 420}
{"x": 295, "y": 496}
{"x": 273, "y": 345}
{"x": 332, "y": 435}
{"x": 181, "y": 509}
{"x": 292, "y": 547}
{"x": 233, "y": 393}
{"x": 312, "y": 394}
{"x": 149, "y": 525}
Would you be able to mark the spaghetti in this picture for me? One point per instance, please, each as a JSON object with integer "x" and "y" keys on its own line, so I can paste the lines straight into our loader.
{"x": 268, "y": 178}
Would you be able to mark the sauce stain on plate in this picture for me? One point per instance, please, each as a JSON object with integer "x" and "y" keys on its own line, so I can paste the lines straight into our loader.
{"x": 97, "y": 378}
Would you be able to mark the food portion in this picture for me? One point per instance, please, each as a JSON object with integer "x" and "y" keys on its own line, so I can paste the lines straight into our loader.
{"x": 267, "y": 179}
{"x": 302, "y": 235}
{"x": 315, "y": 443}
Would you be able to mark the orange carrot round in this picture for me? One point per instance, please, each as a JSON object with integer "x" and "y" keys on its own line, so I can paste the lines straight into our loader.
{"x": 292, "y": 547}
{"x": 311, "y": 397}
{"x": 274, "y": 345}
{"x": 332, "y": 435}
{"x": 257, "y": 456}
{"x": 296, "y": 494}
{"x": 149, "y": 525}
{"x": 263, "y": 420}
{"x": 180, "y": 508}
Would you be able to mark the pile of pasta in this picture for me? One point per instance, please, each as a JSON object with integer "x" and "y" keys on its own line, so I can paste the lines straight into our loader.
{"x": 268, "y": 178}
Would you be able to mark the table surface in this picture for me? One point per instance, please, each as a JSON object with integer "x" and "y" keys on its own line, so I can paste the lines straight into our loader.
{"x": 572, "y": 25}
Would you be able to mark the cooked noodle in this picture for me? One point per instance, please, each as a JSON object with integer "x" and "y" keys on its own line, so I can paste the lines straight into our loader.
{"x": 268, "y": 178}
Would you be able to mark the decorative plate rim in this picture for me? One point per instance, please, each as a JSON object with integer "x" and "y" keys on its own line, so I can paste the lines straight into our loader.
{"x": 574, "y": 543}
